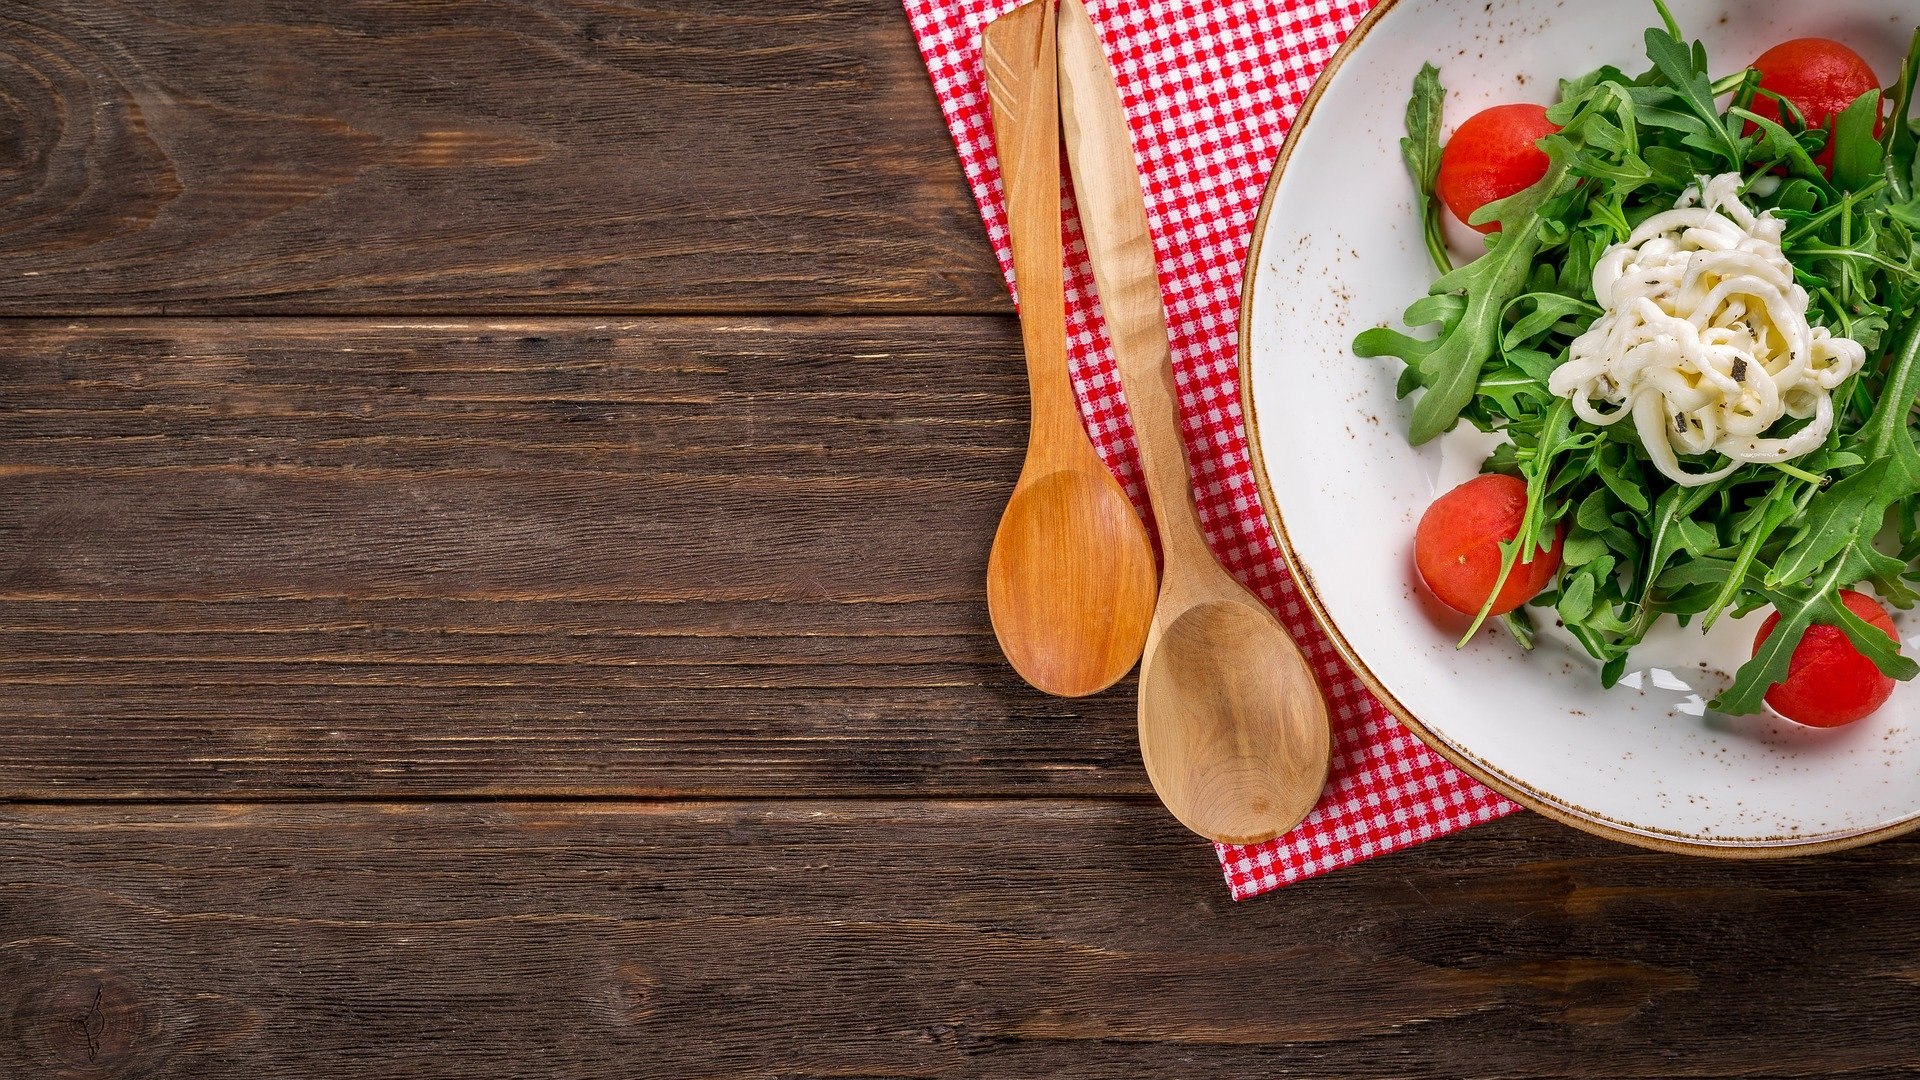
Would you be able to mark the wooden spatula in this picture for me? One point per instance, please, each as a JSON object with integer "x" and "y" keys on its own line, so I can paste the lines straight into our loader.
{"x": 1071, "y": 579}
{"x": 1233, "y": 730}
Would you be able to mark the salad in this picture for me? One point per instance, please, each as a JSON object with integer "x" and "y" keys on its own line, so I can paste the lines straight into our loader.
{"x": 1695, "y": 328}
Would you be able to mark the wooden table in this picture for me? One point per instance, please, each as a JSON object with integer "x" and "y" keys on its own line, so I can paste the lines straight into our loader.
{"x": 493, "y": 499}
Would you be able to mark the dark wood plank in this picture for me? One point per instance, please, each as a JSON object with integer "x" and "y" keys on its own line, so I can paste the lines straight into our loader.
{"x": 477, "y": 155}
{"x": 813, "y": 939}
{"x": 561, "y": 557}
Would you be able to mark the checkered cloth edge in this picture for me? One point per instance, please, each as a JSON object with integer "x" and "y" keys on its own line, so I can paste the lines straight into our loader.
{"x": 1209, "y": 90}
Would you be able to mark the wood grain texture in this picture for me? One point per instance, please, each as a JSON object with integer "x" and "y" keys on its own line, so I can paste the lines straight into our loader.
{"x": 164, "y": 156}
{"x": 336, "y": 557}
{"x": 460, "y": 557}
{"x": 813, "y": 939}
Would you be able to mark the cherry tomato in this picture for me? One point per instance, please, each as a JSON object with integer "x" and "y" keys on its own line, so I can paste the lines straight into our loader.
{"x": 1493, "y": 156}
{"x": 1821, "y": 77}
{"x": 1828, "y": 682}
{"x": 1457, "y": 546}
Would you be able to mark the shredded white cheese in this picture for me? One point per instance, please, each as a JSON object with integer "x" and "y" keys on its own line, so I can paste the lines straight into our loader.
{"x": 1704, "y": 339}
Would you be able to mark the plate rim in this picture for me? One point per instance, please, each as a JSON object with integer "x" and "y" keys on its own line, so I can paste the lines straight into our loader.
{"x": 1304, "y": 581}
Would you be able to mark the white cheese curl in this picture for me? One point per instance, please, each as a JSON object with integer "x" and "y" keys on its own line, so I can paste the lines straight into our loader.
{"x": 1704, "y": 341}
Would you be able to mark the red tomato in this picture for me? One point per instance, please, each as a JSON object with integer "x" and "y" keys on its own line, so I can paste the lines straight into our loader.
{"x": 1457, "y": 546}
{"x": 1828, "y": 682}
{"x": 1821, "y": 77}
{"x": 1493, "y": 156}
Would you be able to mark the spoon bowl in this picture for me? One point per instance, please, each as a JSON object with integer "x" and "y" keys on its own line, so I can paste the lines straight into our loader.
{"x": 1232, "y": 728}
{"x": 1074, "y": 625}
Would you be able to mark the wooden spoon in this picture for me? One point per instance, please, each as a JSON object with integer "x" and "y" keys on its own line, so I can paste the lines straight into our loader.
{"x": 1233, "y": 730}
{"x": 1071, "y": 579}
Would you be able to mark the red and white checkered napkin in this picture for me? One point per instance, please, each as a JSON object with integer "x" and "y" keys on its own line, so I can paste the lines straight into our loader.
{"x": 1209, "y": 89}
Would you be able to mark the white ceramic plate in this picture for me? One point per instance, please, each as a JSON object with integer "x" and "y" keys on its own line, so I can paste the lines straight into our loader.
{"x": 1336, "y": 250}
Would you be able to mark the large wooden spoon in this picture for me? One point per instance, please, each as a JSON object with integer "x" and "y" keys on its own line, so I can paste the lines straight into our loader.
{"x": 1071, "y": 579}
{"x": 1233, "y": 730}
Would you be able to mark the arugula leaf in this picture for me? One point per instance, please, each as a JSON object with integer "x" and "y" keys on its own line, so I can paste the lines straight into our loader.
{"x": 1451, "y": 367}
{"x": 1510, "y": 387}
{"x": 1778, "y": 146}
{"x": 1669, "y": 535}
{"x": 1684, "y": 70}
{"x": 1817, "y": 603}
{"x": 1858, "y": 158}
{"x": 1666, "y": 17}
{"x": 1835, "y": 519}
{"x": 1595, "y": 513}
{"x": 1538, "y": 365}
{"x": 1582, "y": 547}
{"x": 1520, "y": 626}
{"x": 1774, "y": 510}
{"x": 1898, "y": 137}
{"x": 1421, "y": 151}
{"x": 1549, "y": 309}
{"x": 1576, "y": 600}
{"x": 1613, "y": 469}
{"x": 1663, "y": 107}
